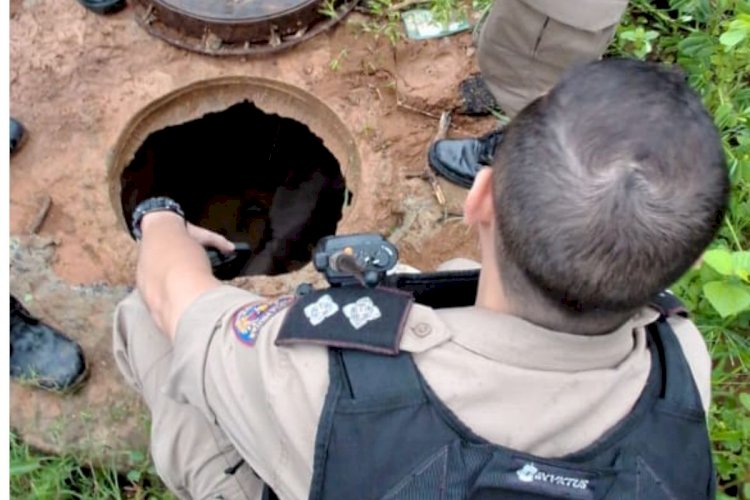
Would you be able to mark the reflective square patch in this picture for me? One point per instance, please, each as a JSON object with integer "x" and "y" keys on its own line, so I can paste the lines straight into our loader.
{"x": 249, "y": 319}
{"x": 321, "y": 309}
{"x": 361, "y": 312}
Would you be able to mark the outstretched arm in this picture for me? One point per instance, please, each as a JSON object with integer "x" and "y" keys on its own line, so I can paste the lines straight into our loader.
{"x": 173, "y": 268}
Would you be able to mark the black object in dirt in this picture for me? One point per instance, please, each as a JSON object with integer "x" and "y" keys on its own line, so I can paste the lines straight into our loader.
{"x": 477, "y": 100}
{"x": 17, "y": 135}
{"x": 103, "y": 7}
{"x": 459, "y": 160}
{"x": 42, "y": 356}
{"x": 256, "y": 178}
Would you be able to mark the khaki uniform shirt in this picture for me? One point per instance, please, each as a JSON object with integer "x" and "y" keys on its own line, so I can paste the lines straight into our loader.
{"x": 513, "y": 383}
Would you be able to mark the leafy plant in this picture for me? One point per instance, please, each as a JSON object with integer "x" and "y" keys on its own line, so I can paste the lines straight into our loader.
{"x": 448, "y": 11}
{"x": 328, "y": 9}
{"x": 638, "y": 41}
{"x": 710, "y": 40}
{"x": 386, "y": 20}
{"x": 729, "y": 291}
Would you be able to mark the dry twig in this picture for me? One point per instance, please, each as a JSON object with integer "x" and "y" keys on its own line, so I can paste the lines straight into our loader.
{"x": 41, "y": 215}
{"x": 443, "y": 126}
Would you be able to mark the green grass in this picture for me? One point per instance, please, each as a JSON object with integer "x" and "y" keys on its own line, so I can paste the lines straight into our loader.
{"x": 710, "y": 39}
{"x": 40, "y": 476}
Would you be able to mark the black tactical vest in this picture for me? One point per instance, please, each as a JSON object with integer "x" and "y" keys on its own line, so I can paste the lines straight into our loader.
{"x": 383, "y": 434}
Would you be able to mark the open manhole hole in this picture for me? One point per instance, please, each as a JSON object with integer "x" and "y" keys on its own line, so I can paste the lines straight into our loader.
{"x": 259, "y": 161}
{"x": 238, "y": 27}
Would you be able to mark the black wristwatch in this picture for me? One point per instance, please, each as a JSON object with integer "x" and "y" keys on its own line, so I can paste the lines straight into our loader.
{"x": 157, "y": 204}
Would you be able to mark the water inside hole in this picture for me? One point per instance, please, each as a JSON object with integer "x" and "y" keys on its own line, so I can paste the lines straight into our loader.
{"x": 254, "y": 177}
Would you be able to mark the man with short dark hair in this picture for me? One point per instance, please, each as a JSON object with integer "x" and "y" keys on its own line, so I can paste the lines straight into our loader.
{"x": 589, "y": 209}
{"x": 560, "y": 381}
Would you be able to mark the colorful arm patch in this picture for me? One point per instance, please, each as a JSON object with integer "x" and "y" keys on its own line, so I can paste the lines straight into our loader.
{"x": 249, "y": 319}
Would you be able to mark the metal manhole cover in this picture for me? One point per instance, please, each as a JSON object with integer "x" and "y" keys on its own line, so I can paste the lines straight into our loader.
{"x": 237, "y": 27}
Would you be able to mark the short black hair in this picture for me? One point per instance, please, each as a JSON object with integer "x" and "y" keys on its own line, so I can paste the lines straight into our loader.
{"x": 608, "y": 188}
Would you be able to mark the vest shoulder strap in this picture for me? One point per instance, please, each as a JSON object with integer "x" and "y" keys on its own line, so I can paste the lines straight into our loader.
{"x": 678, "y": 386}
{"x": 668, "y": 305}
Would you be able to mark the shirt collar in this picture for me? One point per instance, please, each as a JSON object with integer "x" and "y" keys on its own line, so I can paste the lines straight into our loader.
{"x": 517, "y": 342}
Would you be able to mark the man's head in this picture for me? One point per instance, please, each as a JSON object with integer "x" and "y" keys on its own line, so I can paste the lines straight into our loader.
{"x": 604, "y": 192}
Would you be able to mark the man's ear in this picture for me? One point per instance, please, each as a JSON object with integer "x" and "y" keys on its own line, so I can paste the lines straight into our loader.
{"x": 479, "y": 207}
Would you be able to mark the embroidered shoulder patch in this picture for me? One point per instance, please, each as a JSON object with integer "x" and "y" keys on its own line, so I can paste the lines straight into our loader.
{"x": 249, "y": 319}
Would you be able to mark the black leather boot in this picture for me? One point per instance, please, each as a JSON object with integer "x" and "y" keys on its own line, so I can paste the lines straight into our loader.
{"x": 41, "y": 356}
{"x": 103, "y": 7}
{"x": 17, "y": 135}
{"x": 459, "y": 160}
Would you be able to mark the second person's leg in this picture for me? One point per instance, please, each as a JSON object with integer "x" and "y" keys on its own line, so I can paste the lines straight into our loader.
{"x": 524, "y": 48}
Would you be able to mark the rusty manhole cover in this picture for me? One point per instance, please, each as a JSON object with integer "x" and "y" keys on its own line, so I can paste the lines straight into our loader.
{"x": 238, "y": 27}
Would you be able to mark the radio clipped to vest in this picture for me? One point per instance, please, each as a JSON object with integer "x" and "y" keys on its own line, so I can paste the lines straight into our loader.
{"x": 363, "y": 259}
{"x": 366, "y": 259}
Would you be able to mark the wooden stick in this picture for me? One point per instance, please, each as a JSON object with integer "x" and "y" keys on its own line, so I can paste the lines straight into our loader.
{"x": 41, "y": 215}
{"x": 443, "y": 126}
{"x": 403, "y": 105}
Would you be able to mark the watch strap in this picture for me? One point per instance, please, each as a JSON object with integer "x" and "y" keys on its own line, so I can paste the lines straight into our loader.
{"x": 156, "y": 204}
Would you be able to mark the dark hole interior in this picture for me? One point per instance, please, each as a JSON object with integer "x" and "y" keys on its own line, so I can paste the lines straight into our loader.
{"x": 254, "y": 177}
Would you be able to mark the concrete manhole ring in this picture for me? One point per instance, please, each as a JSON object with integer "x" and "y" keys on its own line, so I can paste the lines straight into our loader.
{"x": 223, "y": 124}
